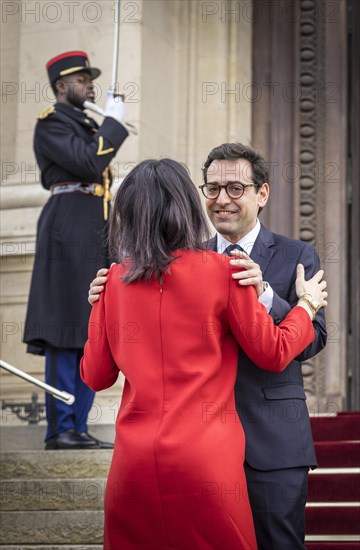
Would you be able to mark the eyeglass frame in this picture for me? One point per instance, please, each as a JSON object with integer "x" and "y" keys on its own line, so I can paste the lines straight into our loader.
{"x": 244, "y": 186}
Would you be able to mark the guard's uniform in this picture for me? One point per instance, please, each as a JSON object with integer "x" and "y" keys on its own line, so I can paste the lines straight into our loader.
{"x": 72, "y": 153}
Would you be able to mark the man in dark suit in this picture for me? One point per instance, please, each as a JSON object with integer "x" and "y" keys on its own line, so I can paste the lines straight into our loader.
{"x": 73, "y": 154}
{"x": 272, "y": 408}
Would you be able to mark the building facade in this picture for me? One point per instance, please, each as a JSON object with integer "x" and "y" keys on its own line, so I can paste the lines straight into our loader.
{"x": 281, "y": 75}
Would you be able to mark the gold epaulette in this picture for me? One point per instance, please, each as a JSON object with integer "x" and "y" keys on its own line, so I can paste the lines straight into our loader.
{"x": 46, "y": 113}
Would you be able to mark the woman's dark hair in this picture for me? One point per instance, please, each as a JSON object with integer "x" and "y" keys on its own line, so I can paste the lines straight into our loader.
{"x": 237, "y": 151}
{"x": 157, "y": 210}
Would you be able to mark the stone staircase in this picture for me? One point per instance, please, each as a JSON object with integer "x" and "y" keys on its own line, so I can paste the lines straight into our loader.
{"x": 333, "y": 507}
{"x": 52, "y": 499}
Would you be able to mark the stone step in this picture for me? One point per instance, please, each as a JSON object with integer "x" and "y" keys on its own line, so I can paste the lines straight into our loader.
{"x": 20, "y": 529}
{"x": 52, "y": 494}
{"x": 31, "y": 438}
{"x": 55, "y": 464}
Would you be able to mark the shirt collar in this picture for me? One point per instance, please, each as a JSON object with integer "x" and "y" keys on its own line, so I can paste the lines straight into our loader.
{"x": 247, "y": 242}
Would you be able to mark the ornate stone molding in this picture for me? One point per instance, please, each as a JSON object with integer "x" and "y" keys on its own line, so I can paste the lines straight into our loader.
{"x": 311, "y": 157}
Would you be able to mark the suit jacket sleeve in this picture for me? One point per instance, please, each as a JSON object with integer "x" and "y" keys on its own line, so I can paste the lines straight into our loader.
{"x": 311, "y": 262}
{"x": 57, "y": 140}
{"x": 97, "y": 367}
{"x": 269, "y": 346}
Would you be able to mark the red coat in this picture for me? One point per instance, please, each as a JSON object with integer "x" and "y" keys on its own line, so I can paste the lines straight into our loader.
{"x": 176, "y": 480}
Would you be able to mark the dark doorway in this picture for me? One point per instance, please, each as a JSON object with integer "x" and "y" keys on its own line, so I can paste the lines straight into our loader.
{"x": 353, "y": 184}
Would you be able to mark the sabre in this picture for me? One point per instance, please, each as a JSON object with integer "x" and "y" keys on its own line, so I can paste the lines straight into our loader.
{"x": 116, "y": 45}
{"x": 91, "y": 106}
{"x": 67, "y": 398}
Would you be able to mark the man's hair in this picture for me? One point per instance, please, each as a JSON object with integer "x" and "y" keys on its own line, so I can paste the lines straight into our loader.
{"x": 237, "y": 151}
{"x": 54, "y": 88}
{"x": 157, "y": 210}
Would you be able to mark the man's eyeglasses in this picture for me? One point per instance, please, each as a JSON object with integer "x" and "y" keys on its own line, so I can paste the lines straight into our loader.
{"x": 234, "y": 189}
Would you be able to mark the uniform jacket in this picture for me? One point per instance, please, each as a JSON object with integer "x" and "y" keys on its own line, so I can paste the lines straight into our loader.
{"x": 272, "y": 406}
{"x": 71, "y": 233}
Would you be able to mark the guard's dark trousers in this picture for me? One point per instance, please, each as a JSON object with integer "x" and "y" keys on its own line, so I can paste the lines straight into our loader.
{"x": 62, "y": 371}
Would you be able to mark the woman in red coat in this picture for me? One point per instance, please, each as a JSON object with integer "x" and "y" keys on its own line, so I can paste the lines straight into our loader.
{"x": 170, "y": 319}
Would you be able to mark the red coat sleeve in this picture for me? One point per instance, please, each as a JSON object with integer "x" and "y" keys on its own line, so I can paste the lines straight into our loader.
{"x": 97, "y": 367}
{"x": 269, "y": 346}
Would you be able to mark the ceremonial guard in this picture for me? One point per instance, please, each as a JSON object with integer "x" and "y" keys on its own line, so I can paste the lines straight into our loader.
{"x": 73, "y": 154}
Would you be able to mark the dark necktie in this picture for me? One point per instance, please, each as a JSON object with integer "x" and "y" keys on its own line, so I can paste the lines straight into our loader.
{"x": 231, "y": 247}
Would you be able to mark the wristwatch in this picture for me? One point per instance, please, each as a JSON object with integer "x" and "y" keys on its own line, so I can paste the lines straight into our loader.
{"x": 311, "y": 302}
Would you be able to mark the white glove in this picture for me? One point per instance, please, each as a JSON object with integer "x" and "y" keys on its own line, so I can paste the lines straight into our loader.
{"x": 114, "y": 107}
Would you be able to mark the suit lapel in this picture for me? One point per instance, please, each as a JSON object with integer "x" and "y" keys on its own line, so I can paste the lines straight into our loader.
{"x": 211, "y": 244}
{"x": 263, "y": 249}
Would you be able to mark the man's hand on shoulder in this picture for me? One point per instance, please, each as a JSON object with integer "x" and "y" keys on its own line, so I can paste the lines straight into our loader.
{"x": 251, "y": 274}
{"x": 97, "y": 286}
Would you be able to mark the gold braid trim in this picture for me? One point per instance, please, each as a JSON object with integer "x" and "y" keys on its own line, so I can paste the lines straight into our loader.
{"x": 107, "y": 193}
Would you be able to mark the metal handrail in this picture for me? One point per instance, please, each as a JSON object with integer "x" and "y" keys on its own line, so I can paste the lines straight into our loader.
{"x": 67, "y": 398}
